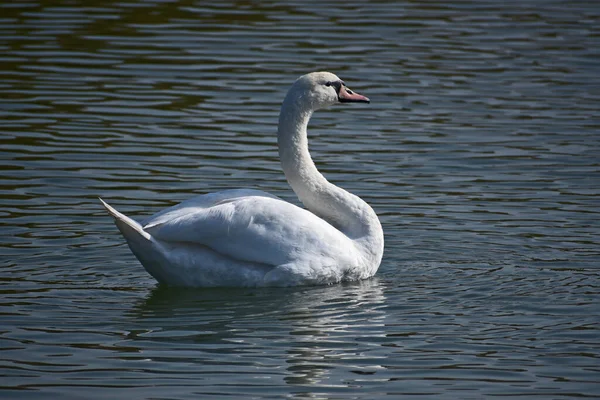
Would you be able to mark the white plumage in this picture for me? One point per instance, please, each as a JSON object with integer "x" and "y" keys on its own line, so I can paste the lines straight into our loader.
{"x": 245, "y": 237}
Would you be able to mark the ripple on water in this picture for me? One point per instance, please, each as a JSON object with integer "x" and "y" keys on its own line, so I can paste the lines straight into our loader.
{"x": 479, "y": 152}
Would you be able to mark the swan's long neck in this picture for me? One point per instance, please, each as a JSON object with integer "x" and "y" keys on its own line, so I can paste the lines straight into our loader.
{"x": 345, "y": 211}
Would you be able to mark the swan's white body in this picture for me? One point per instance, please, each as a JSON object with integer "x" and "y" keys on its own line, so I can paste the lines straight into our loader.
{"x": 245, "y": 237}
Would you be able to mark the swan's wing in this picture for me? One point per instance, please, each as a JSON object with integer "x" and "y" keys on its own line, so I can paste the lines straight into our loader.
{"x": 203, "y": 201}
{"x": 262, "y": 229}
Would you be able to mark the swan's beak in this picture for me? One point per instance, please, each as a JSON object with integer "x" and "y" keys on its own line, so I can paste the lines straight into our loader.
{"x": 346, "y": 95}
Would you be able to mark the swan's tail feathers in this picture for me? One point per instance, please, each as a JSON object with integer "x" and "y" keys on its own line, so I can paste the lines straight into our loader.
{"x": 128, "y": 227}
{"x": 148, "y": 250}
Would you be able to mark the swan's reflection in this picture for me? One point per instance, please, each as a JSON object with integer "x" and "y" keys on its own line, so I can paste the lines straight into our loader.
{"x": 304, "y": 330}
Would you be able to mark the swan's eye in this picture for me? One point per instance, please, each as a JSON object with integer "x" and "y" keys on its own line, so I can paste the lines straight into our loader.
{"x": 328, "y": 84}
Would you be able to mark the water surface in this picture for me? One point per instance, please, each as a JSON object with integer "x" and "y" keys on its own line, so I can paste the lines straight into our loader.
{"x": 479, "y": 152}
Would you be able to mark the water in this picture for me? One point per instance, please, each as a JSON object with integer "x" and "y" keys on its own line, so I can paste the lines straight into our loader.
{"x": 479, "y": 152}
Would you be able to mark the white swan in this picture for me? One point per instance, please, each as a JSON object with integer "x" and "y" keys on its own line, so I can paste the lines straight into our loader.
{"x": 244, "y": 237}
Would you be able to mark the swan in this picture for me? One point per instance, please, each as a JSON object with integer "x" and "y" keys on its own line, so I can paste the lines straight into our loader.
{"x": 245, "y": 237}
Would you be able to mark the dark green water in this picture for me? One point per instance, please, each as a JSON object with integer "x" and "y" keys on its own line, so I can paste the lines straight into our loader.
{"x": 480, "y": 152}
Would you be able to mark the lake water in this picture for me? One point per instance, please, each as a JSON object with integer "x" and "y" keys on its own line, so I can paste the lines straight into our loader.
{"x": 480, "y": 152}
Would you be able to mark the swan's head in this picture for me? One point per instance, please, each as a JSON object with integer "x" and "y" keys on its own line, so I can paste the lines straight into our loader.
{"x": 322, "y": 89}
